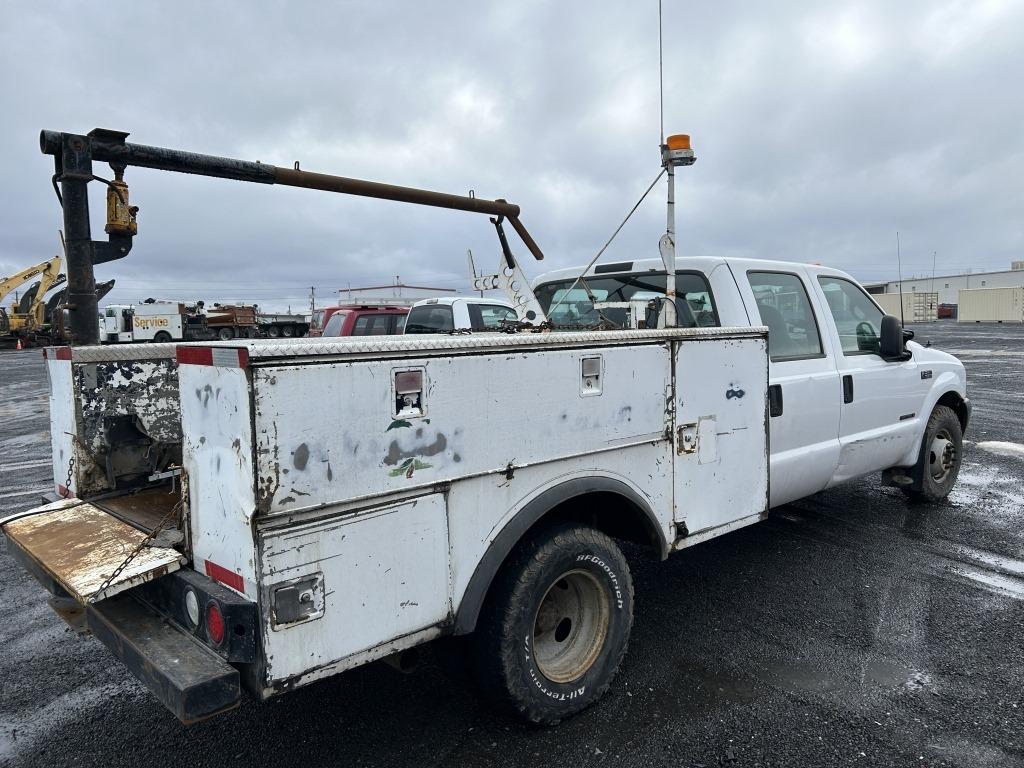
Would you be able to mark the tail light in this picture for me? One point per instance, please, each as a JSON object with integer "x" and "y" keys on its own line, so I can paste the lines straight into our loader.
{"x": 214, "y": 623}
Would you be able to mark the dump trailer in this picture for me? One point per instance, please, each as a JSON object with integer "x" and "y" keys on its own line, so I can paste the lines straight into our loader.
{"x": 287, "y": 326}
{"x": 232, "y": 321}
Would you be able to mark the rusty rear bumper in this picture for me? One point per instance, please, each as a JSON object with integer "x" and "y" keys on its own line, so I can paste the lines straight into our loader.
{"x": 191, "y": 680}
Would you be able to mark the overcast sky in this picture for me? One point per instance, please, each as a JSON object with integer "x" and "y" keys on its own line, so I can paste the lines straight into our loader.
{"x": 820, "y": 130}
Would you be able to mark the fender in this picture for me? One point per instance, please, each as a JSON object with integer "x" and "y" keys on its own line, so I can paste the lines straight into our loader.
{"x": 945, "y": 384}
{"x": 476, "y": 591}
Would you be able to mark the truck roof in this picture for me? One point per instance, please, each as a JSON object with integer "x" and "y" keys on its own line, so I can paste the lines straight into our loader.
{"x": 449, "y": 300}
{"x": 683, "y": 263}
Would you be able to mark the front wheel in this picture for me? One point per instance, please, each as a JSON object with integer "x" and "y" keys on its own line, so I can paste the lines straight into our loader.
{"x": 556, "y": 624}
{"x": 938, "y": 464}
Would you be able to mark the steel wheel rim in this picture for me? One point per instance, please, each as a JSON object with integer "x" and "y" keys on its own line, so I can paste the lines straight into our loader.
{"x": 941, "y": 455}
{"x": 570, "y": 627}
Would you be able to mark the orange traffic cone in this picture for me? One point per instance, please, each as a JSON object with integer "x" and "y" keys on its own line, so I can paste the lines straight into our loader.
{"x": 19, "y": 344}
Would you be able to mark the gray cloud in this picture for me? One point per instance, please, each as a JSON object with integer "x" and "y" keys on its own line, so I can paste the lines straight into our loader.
{"x": 821, "y": 129}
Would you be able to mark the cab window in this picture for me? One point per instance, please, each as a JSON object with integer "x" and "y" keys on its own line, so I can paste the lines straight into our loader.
{"x": 430, "y": 318}
{"x": 785, "y": 308}
{"x": 567, "y": 302}
{"x": 489, "y": 317}
{"x": 858, "y": 318}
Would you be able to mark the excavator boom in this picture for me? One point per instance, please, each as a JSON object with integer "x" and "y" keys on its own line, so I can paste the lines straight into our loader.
{"x": 17, "y": 321}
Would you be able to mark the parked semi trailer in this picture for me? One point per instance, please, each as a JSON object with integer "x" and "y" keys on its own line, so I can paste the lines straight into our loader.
{"x": 342, "y": 500}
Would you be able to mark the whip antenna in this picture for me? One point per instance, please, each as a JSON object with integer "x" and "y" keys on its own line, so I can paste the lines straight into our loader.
{"x": 661, "y": 80}
{"x": 899, "y": 272}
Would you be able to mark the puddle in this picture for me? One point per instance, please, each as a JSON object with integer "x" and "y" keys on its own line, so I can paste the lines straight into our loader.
{"x": 709, "y": 688}
{"x": 800, "y": 677}
{"x": 1002, "y": 448}
{"x": 887, "y": 674}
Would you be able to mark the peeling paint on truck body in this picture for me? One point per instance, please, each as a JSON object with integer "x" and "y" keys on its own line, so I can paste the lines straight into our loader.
{"x": 96, "y": 392}
{"x": 312, "y": 463}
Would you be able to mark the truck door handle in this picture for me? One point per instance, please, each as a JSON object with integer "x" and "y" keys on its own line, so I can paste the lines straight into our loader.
{"x": 847, "y": 388}
{"x": 775, "y": 400}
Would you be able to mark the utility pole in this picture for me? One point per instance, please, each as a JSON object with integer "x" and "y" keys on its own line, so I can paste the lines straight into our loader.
{"x": 312, "y": 299}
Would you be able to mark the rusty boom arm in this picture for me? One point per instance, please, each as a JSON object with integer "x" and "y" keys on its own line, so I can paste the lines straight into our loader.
{"x": 73, "y": 158}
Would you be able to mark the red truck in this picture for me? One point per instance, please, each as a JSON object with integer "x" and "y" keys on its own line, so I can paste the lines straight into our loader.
{"x": 358, "y": 320}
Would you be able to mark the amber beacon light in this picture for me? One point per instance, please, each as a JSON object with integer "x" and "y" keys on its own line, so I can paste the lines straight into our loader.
{"x": 677, "y": 150}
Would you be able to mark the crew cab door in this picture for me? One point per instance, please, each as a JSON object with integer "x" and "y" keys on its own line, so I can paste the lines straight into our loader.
{"x": 880, "y": 400}
{"x": 803, "y": 382}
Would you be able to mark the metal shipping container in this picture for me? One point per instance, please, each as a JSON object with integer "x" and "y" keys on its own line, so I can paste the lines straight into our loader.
{"x": 917, "y": 307}
{"x": 991, "y": 305}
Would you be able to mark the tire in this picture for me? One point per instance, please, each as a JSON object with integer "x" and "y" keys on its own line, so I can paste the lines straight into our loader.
{"x": 225, "y": 334}
{"x": 161, "y": 337}
{"x": 555, "y": 624}
{"x": 287, "y": 331}
{"x": 273, "y": 331}
{"x": 938, "y": 464}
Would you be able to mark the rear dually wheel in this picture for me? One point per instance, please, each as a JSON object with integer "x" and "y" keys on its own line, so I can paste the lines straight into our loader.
{"x": 556, "y": 624}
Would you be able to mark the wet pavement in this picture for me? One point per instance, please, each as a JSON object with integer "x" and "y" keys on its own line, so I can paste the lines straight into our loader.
{"x": 851, "y": 628}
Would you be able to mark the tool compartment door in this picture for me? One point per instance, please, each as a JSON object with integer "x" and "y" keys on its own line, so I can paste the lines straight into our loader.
{"x": 721, "y": 452}
{"x": 75, "y": 548}
{"x": 360, "y": 581}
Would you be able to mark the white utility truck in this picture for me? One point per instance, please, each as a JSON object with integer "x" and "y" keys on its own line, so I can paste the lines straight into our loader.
{"x": 459, "y": 313}
{"x": 156, "y": 321}
{"x": 260, "y": 514}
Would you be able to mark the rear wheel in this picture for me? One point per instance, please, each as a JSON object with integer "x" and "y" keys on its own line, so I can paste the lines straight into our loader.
{"x": 162, "y": 337}
{"x": 287, "y": 331}
{"x": 225, "y": 334}
{"x": 273, "y": 331}
{"x": 938, "y": 463}
{"x": 556, "y": 624}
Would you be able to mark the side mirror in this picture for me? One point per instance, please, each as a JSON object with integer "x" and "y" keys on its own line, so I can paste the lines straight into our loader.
{"x": 892, "y": 340}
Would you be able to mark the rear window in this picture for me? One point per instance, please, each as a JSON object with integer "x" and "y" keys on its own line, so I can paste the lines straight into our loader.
{"x": 430, "y": 318}
{"x": 335, "y": 323}
{"x": 573, "y": 308}
{"x": 372, "y": 325}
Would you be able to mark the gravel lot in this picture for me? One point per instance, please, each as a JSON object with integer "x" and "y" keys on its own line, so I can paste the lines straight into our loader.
{"x": 850, "y": 628}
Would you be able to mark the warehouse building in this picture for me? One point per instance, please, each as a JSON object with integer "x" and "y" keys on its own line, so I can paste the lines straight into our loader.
{"x": 948, "y": 287}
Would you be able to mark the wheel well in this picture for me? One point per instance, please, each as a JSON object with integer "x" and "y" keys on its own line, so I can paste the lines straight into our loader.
{"x": 609, "y": 505}
{"x": 953, "y": 401}
{"x": 609, "y": 512}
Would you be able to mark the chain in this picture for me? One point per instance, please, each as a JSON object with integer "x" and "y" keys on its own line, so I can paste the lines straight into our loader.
{"x": 71, "y": 471}
{"x": 134, "y": 553}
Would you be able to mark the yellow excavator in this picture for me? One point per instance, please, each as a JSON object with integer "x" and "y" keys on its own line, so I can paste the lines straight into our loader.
{"x": 26, "y": 317}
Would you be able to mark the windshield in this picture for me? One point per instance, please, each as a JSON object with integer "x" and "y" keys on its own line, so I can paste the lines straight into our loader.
{"x": 334, "y": 324}
{"x": 430, "y": 318}
{"x": 574, "y": 308}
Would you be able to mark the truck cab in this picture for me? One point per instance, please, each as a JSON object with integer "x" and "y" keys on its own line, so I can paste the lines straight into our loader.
{"x": 839, "y": 407}
{"x": 362, "y": 320}
{"x": 459, "y": 313}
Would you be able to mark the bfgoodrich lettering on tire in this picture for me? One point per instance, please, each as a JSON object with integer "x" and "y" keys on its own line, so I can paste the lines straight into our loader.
{"x": 555, "y": 624}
